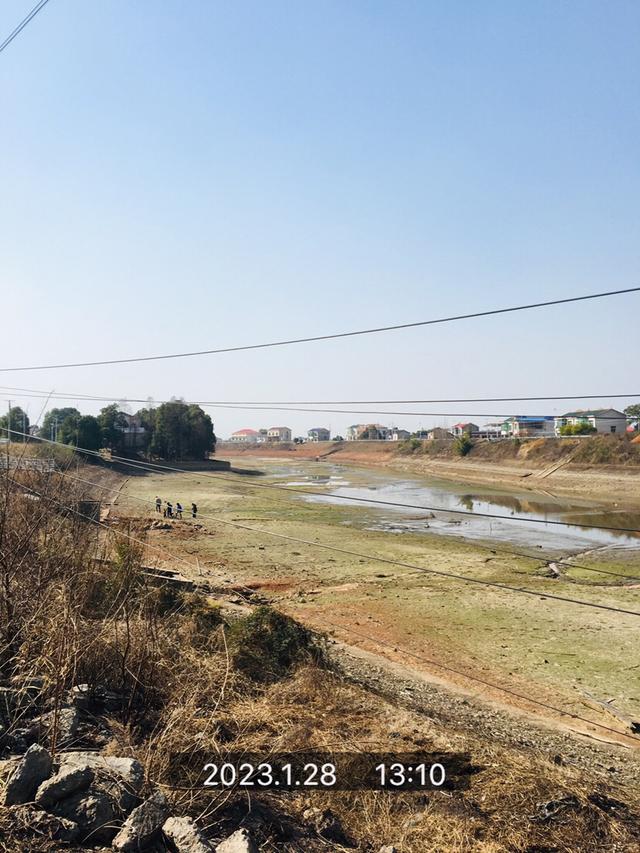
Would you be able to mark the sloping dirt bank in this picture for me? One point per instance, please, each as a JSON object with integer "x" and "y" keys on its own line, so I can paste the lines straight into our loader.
{"x": 602, "y": 467}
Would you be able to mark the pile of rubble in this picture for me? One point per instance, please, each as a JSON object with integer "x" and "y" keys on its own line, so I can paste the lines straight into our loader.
{"x": 81, "y": 797}
{"x": 95, "y": 800}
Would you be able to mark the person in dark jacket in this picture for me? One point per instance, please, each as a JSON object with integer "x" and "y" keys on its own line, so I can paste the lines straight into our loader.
{"x": 194, "y": 510}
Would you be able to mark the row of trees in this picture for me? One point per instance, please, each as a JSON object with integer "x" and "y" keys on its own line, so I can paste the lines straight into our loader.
{"x": 173, "y": 430}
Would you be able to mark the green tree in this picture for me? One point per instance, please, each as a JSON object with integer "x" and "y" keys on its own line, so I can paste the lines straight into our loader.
{"x": 54, "y": 419}
{"x": 181, "y": 431}
{"x": 89, "y": 435}
{"x": 112, "y": 422}
{"x": 633, "y": 411}
{"x": 577, "y": 429}
{"x": 463, "y": 444}
{"x": 68, "y": 429}
{"x": 18, "y": 424}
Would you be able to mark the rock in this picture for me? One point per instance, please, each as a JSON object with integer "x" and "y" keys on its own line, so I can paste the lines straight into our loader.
{"x": 326, "y": 824}
{"x": 32, "y": 769}
{"x": 186, "y": 836}
{"x": 240, "y": 842}
{"x": 65, "y": 782}
{"x": 121, "y": 778}
{"x": 47, "y": 825}
{"x": 66, "y": 725}
{"x": 95, "y": 813}
{"x": 388, "y": 848}
{"x": 143, "y": 824}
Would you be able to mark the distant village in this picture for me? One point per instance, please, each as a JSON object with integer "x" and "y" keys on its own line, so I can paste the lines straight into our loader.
{"x": 581, "y": 422}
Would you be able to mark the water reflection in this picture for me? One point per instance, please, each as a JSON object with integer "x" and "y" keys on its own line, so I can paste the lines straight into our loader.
{"x": 335, "y": 482}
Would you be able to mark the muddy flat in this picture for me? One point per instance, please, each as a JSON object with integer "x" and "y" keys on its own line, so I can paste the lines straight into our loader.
{"x": 567, "y": 656}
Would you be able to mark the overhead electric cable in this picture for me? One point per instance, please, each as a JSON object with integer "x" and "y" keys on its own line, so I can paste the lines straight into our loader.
{"x": 23, "y": 24}
{"x": 280, "y": 408}
{"x": 360, "y": 634}
{"x": 475, "y": 678}
{"x": 125, "y": 398}
{"x": 388, "y": 561}
{"x": 150, "y": 466}
{"x": 539, "y": 558}
{"x": 333, "y": 336}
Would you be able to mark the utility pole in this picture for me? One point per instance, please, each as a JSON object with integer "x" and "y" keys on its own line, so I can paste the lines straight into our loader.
{"x": 9, "y": 420}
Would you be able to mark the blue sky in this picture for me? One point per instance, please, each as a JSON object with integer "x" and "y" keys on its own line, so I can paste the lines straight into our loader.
{"x": 192, "y": 175}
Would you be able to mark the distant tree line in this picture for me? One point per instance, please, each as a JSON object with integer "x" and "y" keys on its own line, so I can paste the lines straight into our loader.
{"x": 174, "y": 430}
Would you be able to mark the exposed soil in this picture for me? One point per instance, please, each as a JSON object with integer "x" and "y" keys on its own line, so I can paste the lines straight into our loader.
{"x": 603, "y": 467}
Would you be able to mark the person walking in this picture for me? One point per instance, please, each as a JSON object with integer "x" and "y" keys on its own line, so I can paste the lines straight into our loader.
{"x": 169, "y": 509}
{"x": 158, "y": 504}
{"x": 179, "y": 510}
{"x": 194, "y": 510}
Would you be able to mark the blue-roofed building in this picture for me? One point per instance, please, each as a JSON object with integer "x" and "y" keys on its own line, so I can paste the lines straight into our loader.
{"x": 528, "y": 426}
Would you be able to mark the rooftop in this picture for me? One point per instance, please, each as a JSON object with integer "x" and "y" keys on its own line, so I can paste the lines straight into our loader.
{"x": 595, "y": 413}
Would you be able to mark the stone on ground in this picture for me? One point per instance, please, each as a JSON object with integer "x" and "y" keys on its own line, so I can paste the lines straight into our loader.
{"x": 143, "y": 824}
{"x": 239, "y": 842}
{"x": 186, "y": 836}
{"x": 93, "y": 811}
{"x": 32, "y": 769}
{"x": 62, "y": 784}
{"x": 121, "y": 778}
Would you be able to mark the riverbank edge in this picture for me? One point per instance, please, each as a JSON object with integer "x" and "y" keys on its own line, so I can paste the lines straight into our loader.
{"x": 607, "y": 484}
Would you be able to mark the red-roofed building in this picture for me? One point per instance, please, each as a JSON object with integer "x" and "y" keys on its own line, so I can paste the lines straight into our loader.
{"x": 464, "y": 429}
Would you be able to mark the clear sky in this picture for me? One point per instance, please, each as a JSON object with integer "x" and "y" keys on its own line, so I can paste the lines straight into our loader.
{"x": 190, "y": 175}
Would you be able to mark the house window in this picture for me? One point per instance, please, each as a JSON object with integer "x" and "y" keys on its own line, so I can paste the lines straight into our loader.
{"x": 612, "y": 428}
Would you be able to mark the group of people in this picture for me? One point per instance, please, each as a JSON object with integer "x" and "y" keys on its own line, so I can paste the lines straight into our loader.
{"x": 169, "y": 511}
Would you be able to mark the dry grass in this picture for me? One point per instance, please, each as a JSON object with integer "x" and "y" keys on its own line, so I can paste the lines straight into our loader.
{"x": 191, "y": 692}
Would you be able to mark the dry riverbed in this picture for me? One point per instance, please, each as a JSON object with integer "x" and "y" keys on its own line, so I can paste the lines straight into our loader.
{"x": 562, "y": 654}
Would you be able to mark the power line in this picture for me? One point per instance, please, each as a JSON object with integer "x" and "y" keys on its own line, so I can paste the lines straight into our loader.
{"x": 155, "y": 466}
{"x": 540, "y": 558}
{"x": 346, "y": 629}
{"x": 23, "y": 24}
{"x": 388, "y": 561}
{"x": 333, "y": 336}
{"x": 397, "y": 504}
{"x": 281, "y": 408}
{"x": 114, "y": 397}
{"x": 484, "y": 682}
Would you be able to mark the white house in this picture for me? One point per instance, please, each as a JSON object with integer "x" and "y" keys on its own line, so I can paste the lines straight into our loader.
{"x": 603, "y": 420}
{"x": 248, "y": 436}
{"x": 367, "y": 432}
{"x": 319, "y": 434}
{"x": 279, "y": 434}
